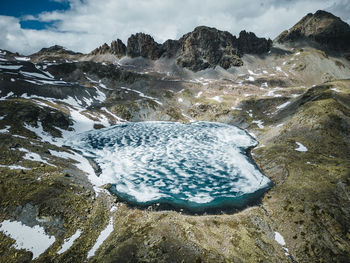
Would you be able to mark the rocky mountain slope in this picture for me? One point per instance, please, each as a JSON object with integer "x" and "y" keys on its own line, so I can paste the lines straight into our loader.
{"x": 294, "y": 100}
{"x": 322, "y": 29}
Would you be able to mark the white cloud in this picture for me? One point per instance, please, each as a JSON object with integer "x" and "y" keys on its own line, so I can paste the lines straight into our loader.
{"x": 88, "y": 24}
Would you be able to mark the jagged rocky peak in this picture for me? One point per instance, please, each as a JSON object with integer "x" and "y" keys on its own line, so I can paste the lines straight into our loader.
{"x": 117, "y": 48}
{"x": 207, "y": 47}
{"x": 143, "y": 45}
{"x": 322, "y": 29}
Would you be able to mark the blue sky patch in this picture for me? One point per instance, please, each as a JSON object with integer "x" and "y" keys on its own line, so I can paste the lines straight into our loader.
{"x": 20, "y": 8}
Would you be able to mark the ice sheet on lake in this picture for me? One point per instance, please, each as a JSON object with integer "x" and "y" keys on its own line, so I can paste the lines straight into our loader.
{"x": 196, "y": 164}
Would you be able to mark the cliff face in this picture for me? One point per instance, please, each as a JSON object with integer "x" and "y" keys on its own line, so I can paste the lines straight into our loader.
{"x": 324, "y": 29}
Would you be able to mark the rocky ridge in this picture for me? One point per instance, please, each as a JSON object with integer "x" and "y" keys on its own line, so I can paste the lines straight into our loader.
{"x": 322, "y": 29}
{"x": 202, "y": 48}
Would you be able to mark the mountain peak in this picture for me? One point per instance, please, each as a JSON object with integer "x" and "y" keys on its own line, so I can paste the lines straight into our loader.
{"x": 56, "y": 49}
{"x": 117, "y": 48}
{"x": 322, "y": 29}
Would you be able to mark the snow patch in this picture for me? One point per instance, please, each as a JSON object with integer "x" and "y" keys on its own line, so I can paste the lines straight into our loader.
{"x": 336, "y": 90}
{"x": 283, "y": 105}
{"x": 12, "y": 67}
{"x": 217, "y": 98}
{"x": 34, "y": 157}
{"x": 22, "y": 58}
{"x": 35, "y": 75}
{"x": 68, "y": 242}
{"x": 199, "y": 94}
{"x": 279, "y": 239}
{"x": 14, "y": 167}
{"x": 300, "y": 148}
{"x": 252, "y": 73}
{"x": 6, "y": 130}
{"x": 32, "y": 239}
{"x": 259, "y": 123}
{"x": 101, "y": 238}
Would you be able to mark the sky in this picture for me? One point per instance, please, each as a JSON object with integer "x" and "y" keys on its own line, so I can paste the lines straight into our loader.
{"x": 82, "y": 25}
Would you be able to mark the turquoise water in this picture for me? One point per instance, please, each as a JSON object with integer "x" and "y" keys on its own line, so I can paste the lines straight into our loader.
{"x": 195, "y": 166}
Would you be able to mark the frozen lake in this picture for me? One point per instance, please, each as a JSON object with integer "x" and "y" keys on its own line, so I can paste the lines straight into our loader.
{"x": 197, "y": 166}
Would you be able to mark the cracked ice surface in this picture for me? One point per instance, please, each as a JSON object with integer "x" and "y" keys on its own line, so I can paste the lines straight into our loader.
{"x": 197, "y": 165}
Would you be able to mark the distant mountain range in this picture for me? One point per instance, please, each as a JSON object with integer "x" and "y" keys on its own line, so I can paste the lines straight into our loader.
{"x": 207, "y": 47}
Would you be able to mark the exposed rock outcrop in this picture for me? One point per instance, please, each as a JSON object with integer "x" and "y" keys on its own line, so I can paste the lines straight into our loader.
{"x": 249, "y": 43}
{"x": 322, "y": 29}
{"x": 101, "y": 50}
{"x": 143, "y": 45}
{"x": 117, "y": 48}
{"x": 207, "y": 47}
{"x": 171, "y": 48}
